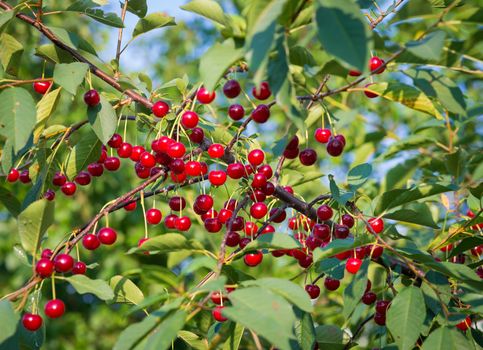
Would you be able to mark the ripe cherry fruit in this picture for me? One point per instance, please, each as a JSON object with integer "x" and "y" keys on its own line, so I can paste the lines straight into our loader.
{"x": 189, "y": 119}
{"x": 369, "y": 298}
{"x": 335, "y": 147}
{"x": 465, "y": 324}
{"x": 204, "y": 96}
{"x": 261, "y": 114}
{"x": 232, "y": 88}
{"x": 256, "y": 157}
{"x": 44, "y": 267}
{"x": 253, "y": 258}
{"x": 376, "y": 224}
{"x": 63, "y": 263}
{"x": 13, "y": 175}
{"x": 153, "y": 216}
{"x": 79, "y": 268}
{"x": 31, "y": 322}
{"x": 107, "y": 236}
{"x": 217, "y": 177}
{"x": 368, "y": 93}
{"x": 41, "y": 87}
{"x": 216, "y": 150}
{"x": 258, "y": 210}
{"x": 217, "y": 315}
{"x": 68, "y": 188}
{"x": 160, "y": 109}
{"x": 236, "y": 112}
{"x": 312, "y": 290}
{"x": 324, "y": 212}
{"x": 308, "y": 157}
{"x": 92, "y": 98}
{"x": 262, "y": 92}
{"x": 331, "y": 283}
{"x": 322, "y": 135}
{"x": 375, "y": 64}
{"x": 54, "y": 308}
{"x": 353, "y": 265}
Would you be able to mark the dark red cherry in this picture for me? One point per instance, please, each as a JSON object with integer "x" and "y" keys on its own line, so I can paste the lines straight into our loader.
{"x": 31, "y": 322}
{"x": 204, "y": 202}
{"x": 341, "y": 231}
{"x": 213, "y": 225}
{"x": 262, "y": 92}
{"x": 83, "y": 178}
{"x": 204, "y": 96}
{"x": 354, "y": 73}
{"x": 112, "y": 163}
{"x": 68, "y": 188}
{"x": 177, "y": 203}
{"x": 382, "y": 306}
{"x": 348, "y": 220}
{"x": 44, "y": 267}
{"x": 197, "y": 135}
{"x": 235, "y": 170}
{"x": 291, "y": 153}
{"x": 115, "y": 141}
{"x": 79, "y": 268}
{"x": 324, "y": 212}
{"x": 49, "y": 195}
{"x": 259, "y": 180}
{"x": 331, "y": 283}
{"x": 160, "y": 109}
{"x": 25, "y": 177}
{"x": 281, "y": 215}
{"x": 368, "y": 93}
{"x": 107, "y": 236}
{"x": 335, "y": 147}
{"x": 91, "y": 242}
{"x": 63, "y": 263}
{"x": 321, "y": 231}
{"x": 369, "y": 298}
{"x": 244, "y": 242}
{"x": 312, "y": 290}
{"x": 308, "y": 157}
{"x": 236, "y": 112}
{"x": 380, "y": 319}
{"x": 92, "y": 98}
{"x": 54, "y": 308}
{"x": 232, "y": 88}
{"x": 260, "y": 114}
{"x": 95, "y": 169}
{"x": 232, "y": 239}
{"x": 59, "y": 179}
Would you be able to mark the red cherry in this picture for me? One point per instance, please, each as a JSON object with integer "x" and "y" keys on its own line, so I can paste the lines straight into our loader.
{"x": 115, "y": 141}
{"x": 79, "y": 268}
{"x": 269, "y": 188}
{"x": 293, "y": 144}
{"x": 177, "y": 166}
{"x": 258, "y": 210}
{"x": 44, "y": 267}
{"x": 322, "y": 135}
{"x": 354, "y": 73}
{"x": 216, "y": 150}
{"x": 204, "y": 96}
{"x": 213, "y": 225}
{"x": 178, "y": 178}
{"x": 369, "y": 298}
{"x": 376, "y": 224}
{"x": 177, "y": 203}
{"x": 375, "y": 63}
{"x": 380, "y": 319}
{"x": 312, "y": 290}
{"x": 235, "y": 170}
{"x": 321, "y": 231}
{"x": 95, "y": 169}
{"x": 141, "y": 171}
{"x": 281, "y": 215}
{"x": 54, "y": 308}
{"x": 91, "y": 242}
{"x": 182, "y": 223}
{"x": 348, "y": 220}
{"x": 244, "y": 242}
{"x": 176, "y": 150}
{"x": 331, "y": 283}
{"x": 259, "y": 180}
{"x": 92, "y": 98}
{"x": 291, "y": 153}
{"x": 204, "y": 202}
{"x": 147, "y": 160}
{"x": 59, "y": 179}
{"x": 83, "y": 178}
{"x": 232, "y": 88}
{"x": 49, "y": 195}
{"x": 311, "y": 242}
{"x": 308, "y": 157}
{"x": 232, "y": 239}
{"x": 112, "y": 163}
{"x": 130, "y": 206}
{"x": 170, "y": 221}
{"x": 153, "y": 216}
{"x": 341, "y": 231}
{"x": 260, "y": 114}
{"x": 374, "y": 251}
{"x": 63, "y": 263}
{"x": 46, "y": 253}
{"x": 217, "y": 314}
{"x": 124, "y": 150}
{"x": 31, "y": 322}
{"x": 341, "y": 139}
{"x": 41, "y": 87}
{"x": 160, "y": 109}
{"x": 465, "y": 324}
{"x": 197, "y": 135}
{"x": 209, "y": 214}
{"x": 236, "y": 112}
{"x": 68, "y": 188}
{"x": 107, "y": 235}
{"x": 262, "y": 92}
{"x": 136, "y": 153}
{"x": 217, "y": 177}
{"x": 238, "y": 223}
{"x": 103, "y": 156}
{"x": 24, "y": 177}
{"x": 335, "y": 147}
{"x": 204, "y": 168}
{"x": 224, "y": 215}
{"x": 324, "y": 212}
{"x": 13, "y": 175}
{"x": 193, "y": 168}
{"x": 189, "y": 119}
{"x": 382, "y": 306}
{"x": 368, "y": 93}
{"x": 305, "y": 261}
{"x": 217, "y": 298}
{"x": 250, "y": 228}
{"x": 353, "y": 265}
{"x": 256, "y": 157}
{"x": 253, "y": 259}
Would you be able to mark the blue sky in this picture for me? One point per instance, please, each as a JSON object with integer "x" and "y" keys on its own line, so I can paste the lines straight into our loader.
{"x": 132, "y": 59}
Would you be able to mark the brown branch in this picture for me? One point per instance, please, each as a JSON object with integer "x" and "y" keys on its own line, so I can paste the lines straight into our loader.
{"x": 119, "y": 36}
{"x": 383, "y": 15}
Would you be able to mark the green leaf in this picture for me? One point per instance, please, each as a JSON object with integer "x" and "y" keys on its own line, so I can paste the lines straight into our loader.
{"x": 10, "y": 54}
{"x": 289, "y": 290}
{"x": 70, "y": 75}
{"x": 335, "y": 247}
{"x": 235, "y": 337}
{"x": 10, "y": 202}
{"x": 420, "y": 217}
{"x": 133, "y": 334}
{"x": 273, "y": 241}
{"x": 397, "y": 197}
{"x": 304, "y": 329}
{"x": 83, "y": 284}
{"x": 406, "y": 95}
{"x": 152, "y": 21}
{"x": 103, "y": 120}
{"x": 329, "y": 337}
{"x": 430, "y": 47}
{"x": 5, "y": 17}
{"x": 354, "y": 291}
{"x": 9, "y": 320}
{"x": 138, "y": 7}
{"x": 344, "y": 32}
{"x": 86, "y": 151}
{"x": 358, "y": 175}
{"x": 459, "y": 272}
{"x": 406, "y": 316}
{"x": 168, "y": 242}
{"x": 445, "y": 338}
{"x": 166, "y": 332}
{"x": 45, "y": 108}
{"x": 207, "y": 8}
{"x": 437, "y": 85}
{"x": 87, "y": 7}
{"x": 73, "y": 40}
{"x": 466, "y": 244}
{"x": 408, "y": 143}
{"x": 33, "y": 222}
{"x": 125, "y": 291}
{"x": 267, "y": 313}
{"x": 17, "y": 117}
{"x": 194, "y": 341}
{"x": 216, "y": 61}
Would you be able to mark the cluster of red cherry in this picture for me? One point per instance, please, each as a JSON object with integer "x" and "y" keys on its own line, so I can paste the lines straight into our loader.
{"x": 375, "y": 66}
